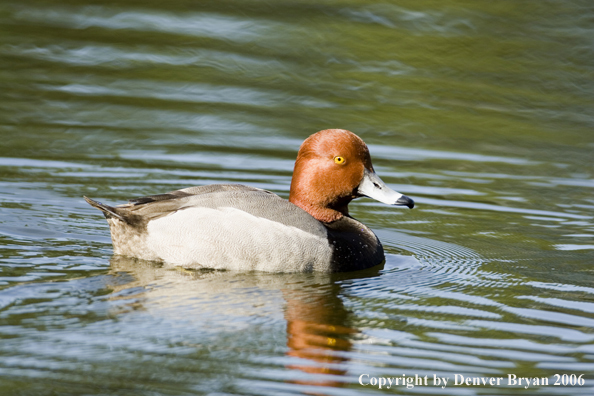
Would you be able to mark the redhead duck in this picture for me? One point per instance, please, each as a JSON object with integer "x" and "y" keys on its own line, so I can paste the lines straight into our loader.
{"x": 236, "y": 227}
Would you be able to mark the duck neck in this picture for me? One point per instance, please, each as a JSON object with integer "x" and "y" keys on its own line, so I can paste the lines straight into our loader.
{"x": 318, "y": 206}
{"x": 311, "y": 190}
{"x": 323, "y": 214}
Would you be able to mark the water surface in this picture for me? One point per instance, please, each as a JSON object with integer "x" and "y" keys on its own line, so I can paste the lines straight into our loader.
{"x": 482, "y": 112}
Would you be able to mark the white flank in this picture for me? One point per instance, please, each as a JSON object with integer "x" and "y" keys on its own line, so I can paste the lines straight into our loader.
{"x": 229, "y": 238}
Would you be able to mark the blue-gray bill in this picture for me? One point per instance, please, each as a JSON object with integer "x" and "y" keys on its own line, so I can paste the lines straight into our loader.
{"x": 372, "y": 186}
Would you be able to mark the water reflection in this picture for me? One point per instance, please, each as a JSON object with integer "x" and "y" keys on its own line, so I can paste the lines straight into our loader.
{"x": 318, "y": 329}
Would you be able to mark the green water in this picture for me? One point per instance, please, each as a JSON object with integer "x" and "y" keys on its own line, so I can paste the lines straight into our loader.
{"x": 482, "y": 112}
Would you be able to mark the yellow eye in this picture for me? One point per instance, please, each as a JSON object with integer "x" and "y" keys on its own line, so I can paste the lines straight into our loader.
{"x": 339, "y": 160}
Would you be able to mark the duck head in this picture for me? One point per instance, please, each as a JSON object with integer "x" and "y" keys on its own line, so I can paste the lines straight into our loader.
{"x": 333, "y": 167}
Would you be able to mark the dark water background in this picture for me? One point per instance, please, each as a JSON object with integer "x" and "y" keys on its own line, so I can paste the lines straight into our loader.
{"x": 483, "y": 112}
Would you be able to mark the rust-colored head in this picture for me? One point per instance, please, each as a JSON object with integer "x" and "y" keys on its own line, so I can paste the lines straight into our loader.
{"x": 333, "y": 167}
{"x": 329, "y": 168}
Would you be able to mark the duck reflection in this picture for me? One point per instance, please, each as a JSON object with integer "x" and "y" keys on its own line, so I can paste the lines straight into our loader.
{"x": 317, "y": 323}
{"x": 317, "y": 331}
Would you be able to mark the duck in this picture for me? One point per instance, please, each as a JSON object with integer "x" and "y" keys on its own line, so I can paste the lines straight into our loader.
{"x": 242, "y": 228}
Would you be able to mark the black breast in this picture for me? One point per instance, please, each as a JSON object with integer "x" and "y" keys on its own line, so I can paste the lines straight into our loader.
{"x": 355, "y": 246}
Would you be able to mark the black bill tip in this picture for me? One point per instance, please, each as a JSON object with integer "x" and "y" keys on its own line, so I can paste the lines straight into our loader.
{"x": 406, "y": 201}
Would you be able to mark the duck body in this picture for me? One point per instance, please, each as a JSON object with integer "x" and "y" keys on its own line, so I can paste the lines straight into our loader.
{"x": 236, "y": 227}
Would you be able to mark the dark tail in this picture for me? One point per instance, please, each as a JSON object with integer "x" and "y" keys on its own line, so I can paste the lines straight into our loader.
{"x": 108, "y": 211}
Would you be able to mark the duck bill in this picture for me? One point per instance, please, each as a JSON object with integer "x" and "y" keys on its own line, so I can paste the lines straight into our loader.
{"x": 372, "y": 186}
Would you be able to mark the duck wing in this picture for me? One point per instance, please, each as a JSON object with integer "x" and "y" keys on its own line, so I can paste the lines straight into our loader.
{"x": 255, "y": 201}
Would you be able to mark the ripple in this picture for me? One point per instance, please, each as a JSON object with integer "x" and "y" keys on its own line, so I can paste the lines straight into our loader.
{"x": 36, "y": 163}
{"x": 419, "y": 22}
{"x": 559, "y": 302}
{"x": 192, "y": 93}
{"x": 191, "y": 24}
{"x": 148, "y": 120}
{"x": 415, "y": 154}
{"x": 561, "y": 287}
{"x": 496, "y": 208}
{"x": 105, "y": 55}
{"x": 441, "y": 257}
{"x": 569, "y": 335}
{"x": 569, "y": 246}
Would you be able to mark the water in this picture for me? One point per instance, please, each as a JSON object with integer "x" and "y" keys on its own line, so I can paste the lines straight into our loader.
{"x": 482, "y": 112}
